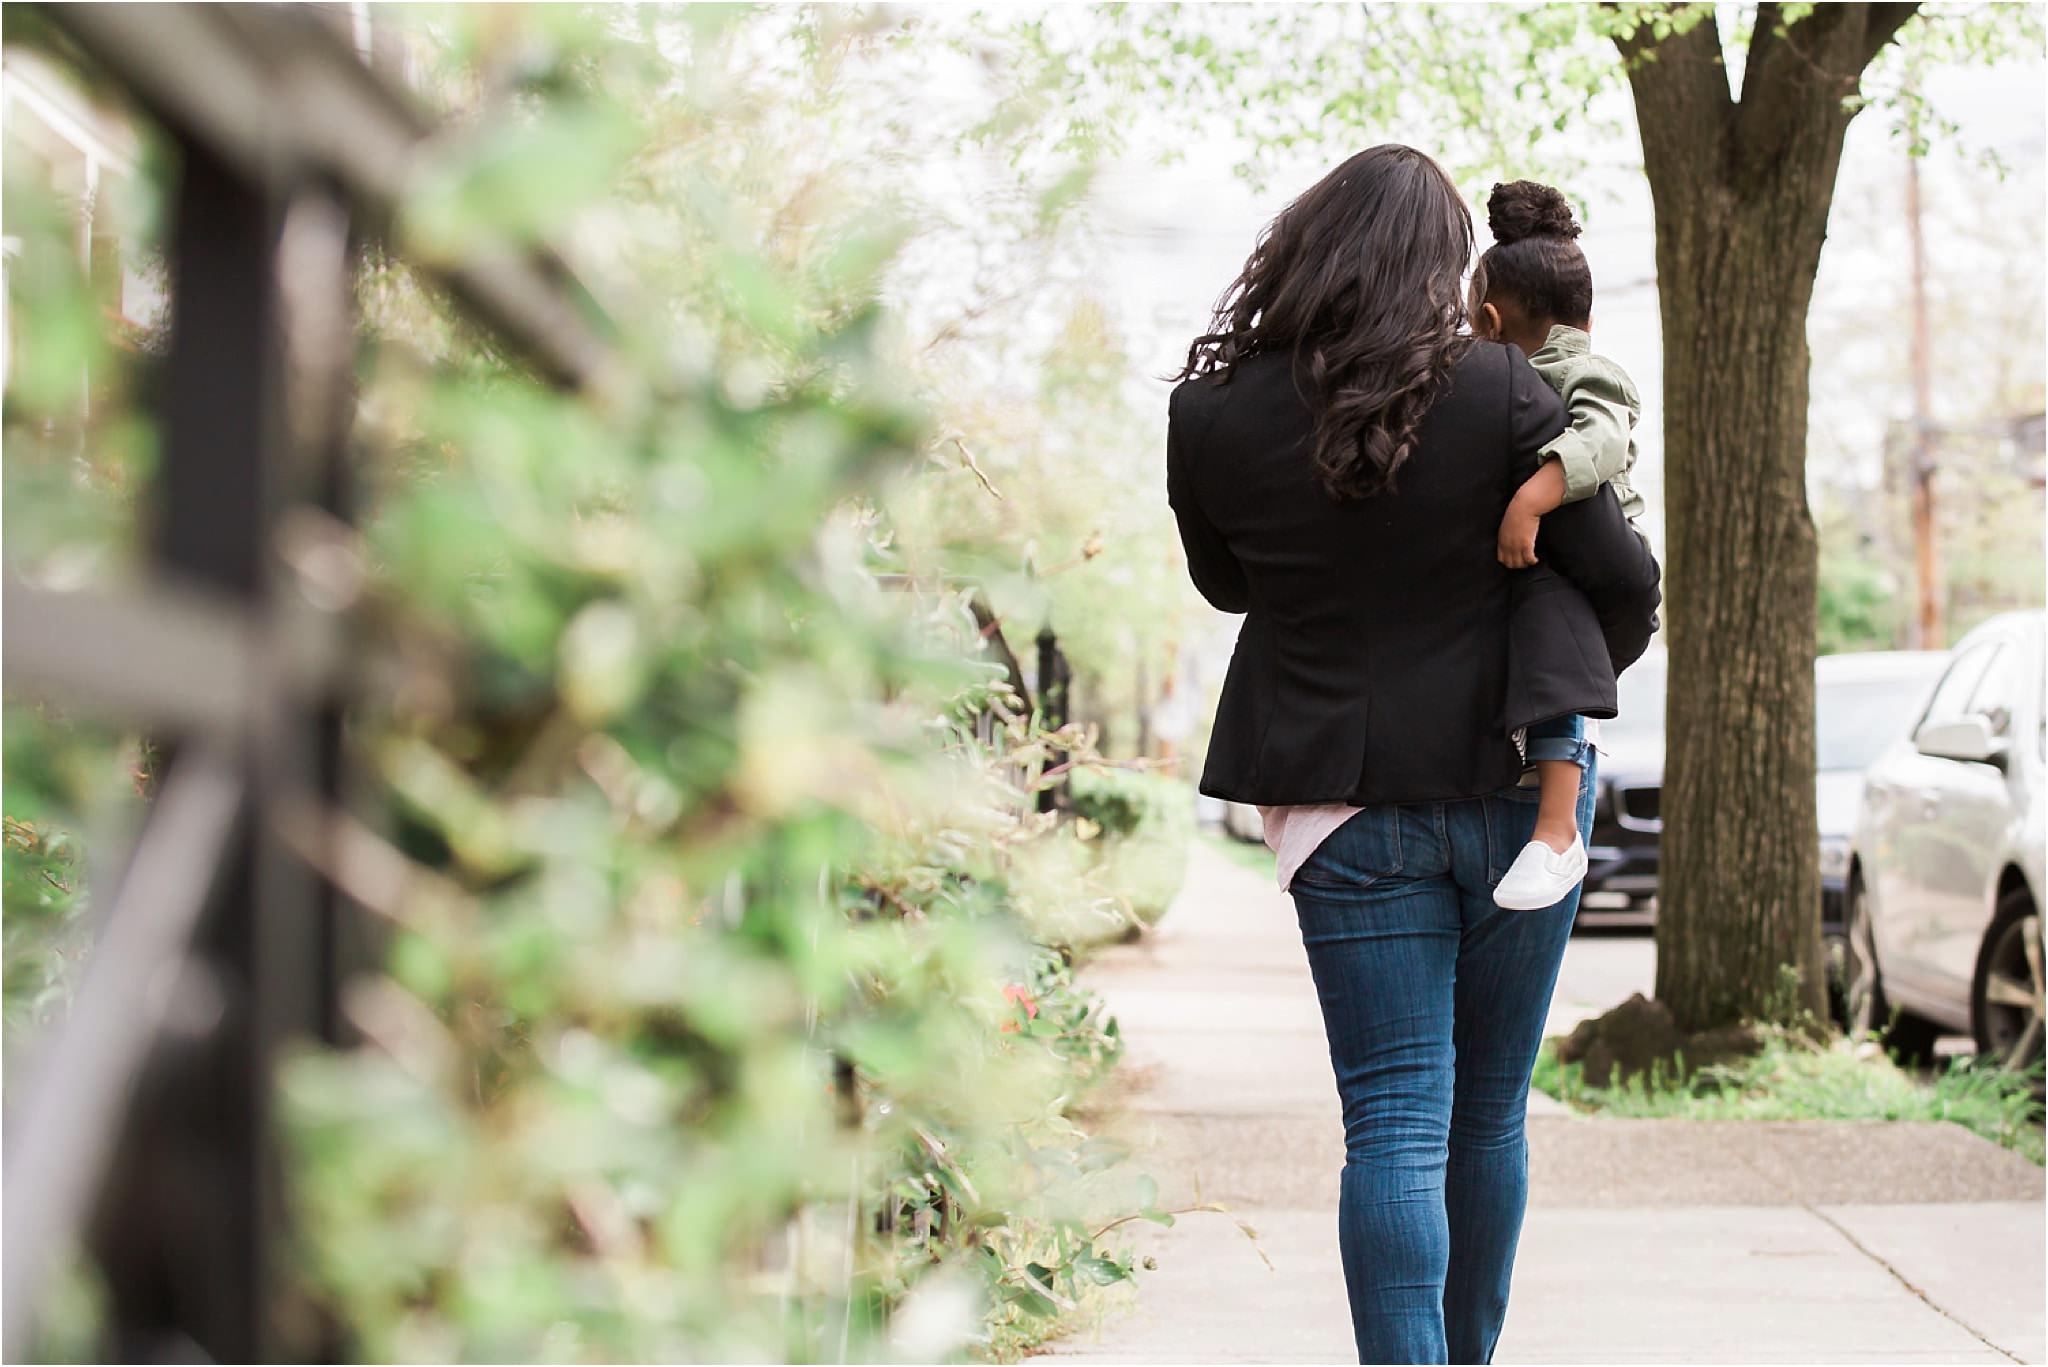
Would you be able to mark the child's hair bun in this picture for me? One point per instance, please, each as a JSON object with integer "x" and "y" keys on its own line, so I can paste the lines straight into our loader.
{"x": 1525, "y": 208}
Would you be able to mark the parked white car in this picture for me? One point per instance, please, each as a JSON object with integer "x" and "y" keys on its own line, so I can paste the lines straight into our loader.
{"x": 1862, "y": 702}
{"x": 1946, "y": 864}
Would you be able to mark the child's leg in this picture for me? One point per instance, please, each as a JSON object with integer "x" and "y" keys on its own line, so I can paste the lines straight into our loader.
{"x": 1558, "y": 750}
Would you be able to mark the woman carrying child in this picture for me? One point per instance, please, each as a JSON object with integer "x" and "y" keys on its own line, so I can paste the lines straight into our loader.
{"x": 1340, "y": 454}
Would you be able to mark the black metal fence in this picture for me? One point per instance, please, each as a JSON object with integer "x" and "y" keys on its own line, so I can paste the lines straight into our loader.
{"x": 1055, "y": 697}
{"x": 143, "y": 1132}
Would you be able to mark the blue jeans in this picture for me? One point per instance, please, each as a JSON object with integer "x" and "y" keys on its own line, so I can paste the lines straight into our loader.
{"x": 1560, "y": 738}
{"x": 1434, "y": 1000}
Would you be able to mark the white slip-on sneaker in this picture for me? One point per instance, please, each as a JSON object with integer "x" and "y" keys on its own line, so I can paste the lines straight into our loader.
{"x": 1541, "y": 877}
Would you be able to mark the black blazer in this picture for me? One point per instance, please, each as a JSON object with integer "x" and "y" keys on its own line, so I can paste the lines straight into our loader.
{"x": 1373, "y": 663}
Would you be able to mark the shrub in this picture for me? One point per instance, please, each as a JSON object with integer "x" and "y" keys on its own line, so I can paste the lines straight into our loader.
{"x": 716, "y": 1016}
{"x": 1140, "y": 827}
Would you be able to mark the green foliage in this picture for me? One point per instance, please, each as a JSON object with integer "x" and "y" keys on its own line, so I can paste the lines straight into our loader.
{"x": 726, "y": 1006}
{"x": 1119, "y": 802}
{"x": 1510, "y": 90}
{"x": 1141, "y": 826}
{"x": 68, "y": 1322}
{"x": 47, "y": 284}
{"x": 1048, "y": 498}
{"x": 76, "y": 452}
{"x": 1802, "y": 1075}
{"x": 721, "y": 1020}
{"x": 1859, "y": 602}
{"x": 1493, "y": 91}
{"x": 57, "y": 772}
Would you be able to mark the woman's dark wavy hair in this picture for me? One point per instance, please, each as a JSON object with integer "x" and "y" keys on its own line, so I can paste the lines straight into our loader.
{"x": 1360, "y": 278}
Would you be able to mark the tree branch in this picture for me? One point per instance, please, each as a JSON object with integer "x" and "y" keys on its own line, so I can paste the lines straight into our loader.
{"x": 1689, "y": 57}
{"x": 1766, "y": 33}
{"x": 1800, "y": 71}
{"x": 1680, "y": 86}
{"x": 1788, "y": 66}
{"x": 1883, "y": 25}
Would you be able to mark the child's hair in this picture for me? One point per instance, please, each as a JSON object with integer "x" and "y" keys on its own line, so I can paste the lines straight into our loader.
{"x": 1533, "y": 259}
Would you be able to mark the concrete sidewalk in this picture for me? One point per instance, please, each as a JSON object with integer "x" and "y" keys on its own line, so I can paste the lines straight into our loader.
{"x": 1647, "y": 1241}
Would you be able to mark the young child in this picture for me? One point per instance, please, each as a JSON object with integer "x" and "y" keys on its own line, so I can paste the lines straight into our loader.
{"x": 1534, "y": 289}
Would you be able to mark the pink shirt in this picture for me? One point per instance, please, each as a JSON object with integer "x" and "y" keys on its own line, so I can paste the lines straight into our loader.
{"x": 1295, "y": 833}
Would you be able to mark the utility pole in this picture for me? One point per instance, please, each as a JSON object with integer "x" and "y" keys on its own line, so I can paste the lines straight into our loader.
{"x": 1144, "y": 692}
{"x": 1929, "y": 632}
{"x": 1167, "y": 726}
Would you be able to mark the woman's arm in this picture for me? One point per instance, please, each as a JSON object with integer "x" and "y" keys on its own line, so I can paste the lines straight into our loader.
{"x": 1217, "y": 575}
{"x": 1589, "y": 542}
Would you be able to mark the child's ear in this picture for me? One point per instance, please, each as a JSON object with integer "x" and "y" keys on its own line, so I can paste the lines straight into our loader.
{"x": 1489, "y": 321}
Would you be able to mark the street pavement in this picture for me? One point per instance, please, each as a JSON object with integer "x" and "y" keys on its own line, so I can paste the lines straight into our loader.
{"x": 1646, "y": 1240}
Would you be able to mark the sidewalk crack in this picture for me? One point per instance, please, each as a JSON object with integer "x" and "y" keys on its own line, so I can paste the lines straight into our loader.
{"x": 1771, "y": 1179}
{"x": 1902, "y": 1280}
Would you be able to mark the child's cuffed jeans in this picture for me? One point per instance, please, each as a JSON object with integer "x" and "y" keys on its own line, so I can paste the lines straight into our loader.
{"x": 1559, "y": 738}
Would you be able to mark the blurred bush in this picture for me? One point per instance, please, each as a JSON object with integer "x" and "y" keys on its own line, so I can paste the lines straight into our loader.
{"x": 726, "y": 1006}
{"x": 56, "y": 771}
{"x": 76, "y": 452}
{"x": 1143, "y": 826}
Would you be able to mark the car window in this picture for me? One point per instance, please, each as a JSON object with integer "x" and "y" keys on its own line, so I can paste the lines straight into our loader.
{"x": 1639, "y": 701}
{"x": 1854, "y": 720}
{"x": 1998, "y": 690}
{"x": 2038, "y": 645}
{"x": 1951, "y": 699}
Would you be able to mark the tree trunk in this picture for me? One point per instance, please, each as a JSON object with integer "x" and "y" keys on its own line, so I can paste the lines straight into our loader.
{"x": 1742, "y": 193}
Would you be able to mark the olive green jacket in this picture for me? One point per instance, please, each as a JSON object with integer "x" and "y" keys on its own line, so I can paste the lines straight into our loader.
{"x": 1601, "y": 405}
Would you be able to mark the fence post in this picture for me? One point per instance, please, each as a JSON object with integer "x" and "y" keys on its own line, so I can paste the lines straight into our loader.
{"x": 1053, "y": 676}
{"x": 187, "y": 1228}
{"x": 186, "y": 1182}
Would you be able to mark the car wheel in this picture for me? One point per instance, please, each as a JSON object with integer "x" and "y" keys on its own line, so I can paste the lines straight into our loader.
{"x": 2006, "y": 999}
{"x": 1864, "y": 1006}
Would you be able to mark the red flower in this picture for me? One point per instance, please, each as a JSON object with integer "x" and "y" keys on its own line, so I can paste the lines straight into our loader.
{"x": 1024, "y": 999}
